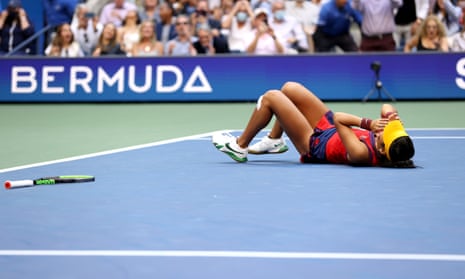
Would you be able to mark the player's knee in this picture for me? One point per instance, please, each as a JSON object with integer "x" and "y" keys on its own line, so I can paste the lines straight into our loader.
{"x": 270, "y": 97}
{"x": 290, "y": 86}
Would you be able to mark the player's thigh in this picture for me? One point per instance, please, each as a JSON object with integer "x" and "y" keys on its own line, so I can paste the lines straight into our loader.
{"x": 308, "y": 103}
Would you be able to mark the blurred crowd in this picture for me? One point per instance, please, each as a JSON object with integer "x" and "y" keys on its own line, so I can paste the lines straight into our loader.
{"x": 255, "y": 27}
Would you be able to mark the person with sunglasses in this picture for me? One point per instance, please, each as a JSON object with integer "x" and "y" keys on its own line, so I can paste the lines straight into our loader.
{"x": 182, "y": 44}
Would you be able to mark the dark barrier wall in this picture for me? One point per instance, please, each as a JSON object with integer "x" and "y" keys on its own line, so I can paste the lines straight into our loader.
{"x": 229, "y": 78}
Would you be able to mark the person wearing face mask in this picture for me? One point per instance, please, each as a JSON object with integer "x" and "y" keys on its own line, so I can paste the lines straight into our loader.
{"x": 239, "y": 24}
{"x": 262, "y": 40}
{"x": 288, "y": 29}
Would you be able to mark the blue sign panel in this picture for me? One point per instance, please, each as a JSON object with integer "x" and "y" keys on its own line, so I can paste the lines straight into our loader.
{"x": 228, "y": 78}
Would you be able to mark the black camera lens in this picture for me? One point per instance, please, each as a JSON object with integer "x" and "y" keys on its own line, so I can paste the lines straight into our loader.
{"x": 375, "y": 66}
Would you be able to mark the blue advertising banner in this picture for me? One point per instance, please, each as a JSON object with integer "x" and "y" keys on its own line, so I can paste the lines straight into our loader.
{"x": 229, "y": 78}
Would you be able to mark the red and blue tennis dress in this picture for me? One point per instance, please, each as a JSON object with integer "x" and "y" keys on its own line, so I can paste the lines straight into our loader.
{"x": 326, "y": 145}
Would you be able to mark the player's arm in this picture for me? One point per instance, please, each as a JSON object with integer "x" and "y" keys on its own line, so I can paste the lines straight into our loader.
{"x": 357, "y": 151}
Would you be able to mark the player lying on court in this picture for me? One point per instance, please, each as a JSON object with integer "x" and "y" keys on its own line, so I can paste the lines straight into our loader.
{"x": 318, "y": 134}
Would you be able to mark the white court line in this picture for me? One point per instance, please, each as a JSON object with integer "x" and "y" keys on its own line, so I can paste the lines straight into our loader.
{"x": 439, "y": 137}
{"x": 193, "y": 137}
{"x": 108, "y": 152}
{"x": 234, "y": 254}
{"x": 435, "y": 129}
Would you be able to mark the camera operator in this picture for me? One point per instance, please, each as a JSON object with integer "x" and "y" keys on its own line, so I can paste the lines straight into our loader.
{"x": 15, "y": 27}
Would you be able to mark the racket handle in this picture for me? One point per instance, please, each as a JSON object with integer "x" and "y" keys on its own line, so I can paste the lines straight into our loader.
{"x": 18, "y": 183}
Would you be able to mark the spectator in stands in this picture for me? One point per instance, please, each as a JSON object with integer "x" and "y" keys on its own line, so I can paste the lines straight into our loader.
{"x": 116, "y": 11}
{"x": 129, "y": 32}
{"x": 239, "y": 25}
{"x": 165, "y": 28}
{"x": 86, "y": 29}
{"x": 449, "y": 14}
{"x": 202, "y": 16}
{"x": 95, "y": 5}
{"x": 408, "y": 17}
{"x": 262, "y": 40}
{"x": 207, "y": 43}
{"x": 185, "y": 7}
{"x": 431, "y": 36}
{"x": 149, "y": 11}
{"x": 58, "y": 12}
{"x": 333, "y": 26}
{"x": 182, "y": 43}
{"x": 217, "y": 14}
{"x": 148, "y": 44}
{"x": 264, "y": 4}
{"x": 306, "y": 13}
{"x": 287, "y": 29}
{"x": 226, "y": 6}
{"x": 108, "y": 42}
{"x": 378, "y": 24}
{"x": 15, "y": 27}
{"x": 457, "y": 41}
{"x": 63, "y": 44}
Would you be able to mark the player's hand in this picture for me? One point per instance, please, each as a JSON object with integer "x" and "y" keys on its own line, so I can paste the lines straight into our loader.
{"x": 4, "y": 14}
{"x": 393, "y": 116}
{"x": 21, "y": 12}
{"x": 378, "y": 125}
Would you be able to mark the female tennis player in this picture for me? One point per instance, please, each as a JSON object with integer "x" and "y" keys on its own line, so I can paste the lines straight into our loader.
{"x": 318, "y": 134}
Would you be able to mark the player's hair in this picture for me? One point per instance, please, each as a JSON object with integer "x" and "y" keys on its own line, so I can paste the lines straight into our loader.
{"x": 401, "y": 151}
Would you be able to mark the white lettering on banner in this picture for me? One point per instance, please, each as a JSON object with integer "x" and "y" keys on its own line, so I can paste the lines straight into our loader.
{"x": 197, "y": 74}
{"x": 161, "y": 87}
{"x": 132, "y": 80}
{"x": 47, "y": 78}
{"x": 102, "y": 77}
{"x": 24, "y": 80}
{"x": 23, "y": 75}
{"x": 74, "y": 79}
{"x": 460, "y": 68}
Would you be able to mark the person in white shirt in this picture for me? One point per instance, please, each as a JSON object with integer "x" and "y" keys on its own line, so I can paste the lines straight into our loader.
{"x": 239, "y": 24}
{"x": 262, "y": 40}
{"x": 288, "y": 29}
{"x": 457, "y": 41}
{"x": 306, "y": 13}
{"x": 63, "y": 44}
{"x": 86, "y": 29}
{"x": 116, "y": 12}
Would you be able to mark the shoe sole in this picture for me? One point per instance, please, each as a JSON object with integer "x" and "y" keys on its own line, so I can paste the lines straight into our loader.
{"x": 230, "y": 153}
{"x": 281, "y": 150}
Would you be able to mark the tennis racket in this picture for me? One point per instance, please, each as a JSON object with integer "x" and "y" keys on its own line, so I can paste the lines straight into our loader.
{"x": 49, "y": 181}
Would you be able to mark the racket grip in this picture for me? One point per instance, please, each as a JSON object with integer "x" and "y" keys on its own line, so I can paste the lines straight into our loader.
{"x": 18, "y": 183}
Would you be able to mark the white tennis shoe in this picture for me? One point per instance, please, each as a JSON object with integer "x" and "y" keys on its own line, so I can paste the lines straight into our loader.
{"x": 269, "y": 146}
{"x": 226, "y": 143}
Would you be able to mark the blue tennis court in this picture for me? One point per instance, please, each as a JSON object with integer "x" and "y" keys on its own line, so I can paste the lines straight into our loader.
{"x": 181, "y": 209}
